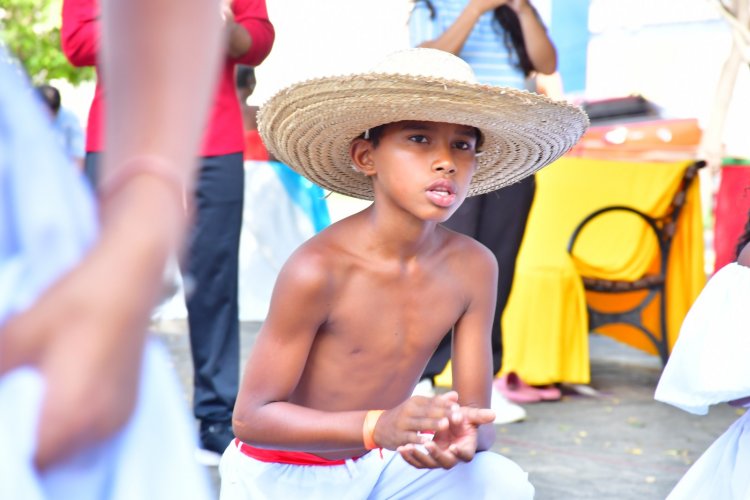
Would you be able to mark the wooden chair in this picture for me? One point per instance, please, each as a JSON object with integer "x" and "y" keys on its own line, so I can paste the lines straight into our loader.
{"x": 654, "y": 283}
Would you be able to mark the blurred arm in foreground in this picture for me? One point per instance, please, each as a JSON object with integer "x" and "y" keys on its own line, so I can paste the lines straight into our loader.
{"x": 86, "y": 332}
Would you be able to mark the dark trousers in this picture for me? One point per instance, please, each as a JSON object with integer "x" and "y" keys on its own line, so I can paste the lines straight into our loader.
{"x": 211, "y": 271}
{"x": 91, "y": 168}
{"x": 498, "y": 221}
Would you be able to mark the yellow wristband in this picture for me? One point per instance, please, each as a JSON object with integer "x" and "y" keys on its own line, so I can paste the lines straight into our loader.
{"x": 368, "y": 428}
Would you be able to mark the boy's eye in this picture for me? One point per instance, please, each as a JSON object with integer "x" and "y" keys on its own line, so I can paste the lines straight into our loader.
{"x": 418, "y": 138}
{"x": 464, "y": 146}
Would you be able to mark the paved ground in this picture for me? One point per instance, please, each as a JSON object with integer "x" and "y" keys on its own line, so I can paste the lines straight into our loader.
{"x": 609, "y": 440}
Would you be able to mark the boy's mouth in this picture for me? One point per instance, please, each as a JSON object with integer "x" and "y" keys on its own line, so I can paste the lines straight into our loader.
{"x": 442, "y": 193}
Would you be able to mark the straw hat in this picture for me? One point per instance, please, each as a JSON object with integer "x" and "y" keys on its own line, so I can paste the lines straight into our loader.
{"x": 310, "y": 125}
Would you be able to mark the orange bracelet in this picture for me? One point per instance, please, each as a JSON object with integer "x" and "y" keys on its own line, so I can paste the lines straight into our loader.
{"x": 368, "y": 428}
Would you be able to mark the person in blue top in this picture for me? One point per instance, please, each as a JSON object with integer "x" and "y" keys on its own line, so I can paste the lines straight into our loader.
{"x": 65, "y": 124}
{"x": 505, "y": 43}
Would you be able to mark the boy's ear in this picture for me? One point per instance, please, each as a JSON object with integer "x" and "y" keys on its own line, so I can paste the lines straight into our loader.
{"x": 361, "y": 154}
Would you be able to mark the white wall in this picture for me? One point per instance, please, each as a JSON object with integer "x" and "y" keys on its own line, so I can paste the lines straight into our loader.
{"x": 324, "y": 37}
{"x": 670, "y": 51}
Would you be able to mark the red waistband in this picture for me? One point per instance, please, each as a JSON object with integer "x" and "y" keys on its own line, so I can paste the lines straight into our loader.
{"x": 285, "y": 457}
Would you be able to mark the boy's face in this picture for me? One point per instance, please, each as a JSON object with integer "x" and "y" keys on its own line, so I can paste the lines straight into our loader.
{"x": 424, "y": 167}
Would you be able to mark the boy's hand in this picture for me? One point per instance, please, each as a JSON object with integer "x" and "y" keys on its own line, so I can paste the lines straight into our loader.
{"x": 408, "y": 422}
{"x": 451, "y": 445}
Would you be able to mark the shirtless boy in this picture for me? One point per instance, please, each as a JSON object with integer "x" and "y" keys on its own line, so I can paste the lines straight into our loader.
{"x": 358, "y": 309}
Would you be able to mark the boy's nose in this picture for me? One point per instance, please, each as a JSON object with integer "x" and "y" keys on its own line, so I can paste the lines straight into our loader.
{"x": 444, "y": 165}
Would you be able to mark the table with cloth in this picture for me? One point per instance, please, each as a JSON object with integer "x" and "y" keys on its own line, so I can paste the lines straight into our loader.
{"x": 545, "y": 324}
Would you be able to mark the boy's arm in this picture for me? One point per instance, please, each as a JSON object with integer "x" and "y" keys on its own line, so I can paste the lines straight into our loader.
{"x": 473, "y": 429}
{"x": 263, "y": 415}
{"x": 472, "y": 349}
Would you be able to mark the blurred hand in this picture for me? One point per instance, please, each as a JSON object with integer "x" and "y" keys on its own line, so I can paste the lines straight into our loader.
{"x": 487, "y": 5}
{"x": 85, "y": 336}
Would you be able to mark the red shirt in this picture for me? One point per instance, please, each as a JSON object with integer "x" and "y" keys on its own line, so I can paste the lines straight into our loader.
{"x": 224, "y": 134}
{"x": 254, "y": 147}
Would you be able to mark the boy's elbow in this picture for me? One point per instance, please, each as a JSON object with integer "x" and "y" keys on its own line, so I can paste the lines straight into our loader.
{"x": 241, "y": 419}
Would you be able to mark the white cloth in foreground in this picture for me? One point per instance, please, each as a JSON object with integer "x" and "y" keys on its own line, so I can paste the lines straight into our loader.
{"x": 709, "y": 365}
{"x": 723, "y": 471}
{"x": 379, "y": 474}
{"x": 151, "y": 457}
{"x": 47, "y": 222}
{"x": 710, "y": 362}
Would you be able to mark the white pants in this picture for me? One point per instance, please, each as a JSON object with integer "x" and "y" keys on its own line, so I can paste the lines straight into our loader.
{"x": 489, "y": 475}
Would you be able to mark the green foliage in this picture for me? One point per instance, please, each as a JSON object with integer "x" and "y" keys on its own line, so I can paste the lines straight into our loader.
{"x": 31, "y": 31}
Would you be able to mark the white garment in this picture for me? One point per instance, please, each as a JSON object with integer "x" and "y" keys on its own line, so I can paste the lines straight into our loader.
{"x": 47, "y": 223}
{"x": 152, "y": 457}
{"x": 273, "y": 226}
{"x": 709, "y": 363}
{"x": 723, "y": 471}
{"x": 487, "y": 476}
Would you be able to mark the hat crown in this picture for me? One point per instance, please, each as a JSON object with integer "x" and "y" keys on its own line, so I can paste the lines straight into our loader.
{"x": 426, "y": 62}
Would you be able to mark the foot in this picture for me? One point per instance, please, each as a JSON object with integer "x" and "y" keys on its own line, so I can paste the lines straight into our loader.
{"x": 548, "y": 392}
{"x": 214, "y": 439}
{"x": 514, "y": 389}
{"x": 505, "y": 411}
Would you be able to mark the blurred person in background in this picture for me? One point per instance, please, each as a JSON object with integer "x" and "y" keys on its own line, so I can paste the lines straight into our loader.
{"x": 282, "y": 210}
{"x": 506, "y": 44}
{"x": 89, "y": 410}
{"x": 67, "y": 127}
{"x": 210, "y": 268}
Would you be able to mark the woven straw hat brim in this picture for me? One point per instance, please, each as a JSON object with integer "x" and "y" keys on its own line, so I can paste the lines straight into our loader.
{"x": 310, "y": 125}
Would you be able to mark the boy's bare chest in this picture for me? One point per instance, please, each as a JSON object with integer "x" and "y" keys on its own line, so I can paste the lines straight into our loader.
{"x": 398, "y": 309}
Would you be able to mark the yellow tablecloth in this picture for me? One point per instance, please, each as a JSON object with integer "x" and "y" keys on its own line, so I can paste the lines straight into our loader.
{"x": 545, "y": 327}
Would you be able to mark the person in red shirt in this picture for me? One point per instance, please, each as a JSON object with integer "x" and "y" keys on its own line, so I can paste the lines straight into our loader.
{"x": 211, "y": 267}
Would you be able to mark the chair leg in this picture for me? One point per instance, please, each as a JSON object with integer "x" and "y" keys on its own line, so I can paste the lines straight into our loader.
{"x": 663, "y": 345}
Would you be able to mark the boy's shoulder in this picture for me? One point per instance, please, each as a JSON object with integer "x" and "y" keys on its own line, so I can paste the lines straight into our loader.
{"x": 468, "y": 251}
{"x": 321, "y": 255}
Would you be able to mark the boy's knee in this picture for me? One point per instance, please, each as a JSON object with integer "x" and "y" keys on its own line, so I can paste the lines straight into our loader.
{"x": 500, "y": 474}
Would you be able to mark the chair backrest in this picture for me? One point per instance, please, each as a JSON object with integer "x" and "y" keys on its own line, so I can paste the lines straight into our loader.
{"x": 620, "y": 246}
{"x": 662, "y": 225}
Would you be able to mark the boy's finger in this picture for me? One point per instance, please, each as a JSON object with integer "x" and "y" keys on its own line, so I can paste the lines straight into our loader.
{"x": 450, "y": 396}
{"x": 463, "y": 454}
{"x": 479, "y": 416}
{"x": 444, "y": 459}
{"x": 417, "y": 457}
{"x": 429, "y": 424}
